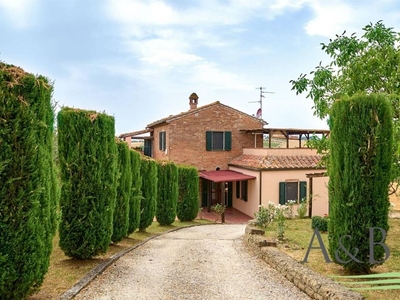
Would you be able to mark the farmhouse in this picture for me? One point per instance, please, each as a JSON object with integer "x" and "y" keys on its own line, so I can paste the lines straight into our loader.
{"x": 227, "y": 147}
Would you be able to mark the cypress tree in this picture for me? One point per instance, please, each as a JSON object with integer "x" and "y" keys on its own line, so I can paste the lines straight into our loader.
{"x": 148, "y": 170}
{"x": 124, "y": 191}
{"x": 167, "y": 193}
{"x": 88, "y": 161}
{"x": 136, "y": 194}
{"x": 188, "y": 196}
{"x": 29, "y": 187}
{"x": 361, "y": 156}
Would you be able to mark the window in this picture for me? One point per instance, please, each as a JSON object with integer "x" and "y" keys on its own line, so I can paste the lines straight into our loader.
{"x": 218, "y": 140}
{"x": 162, "y": 140}
{"x": 292, "y": 190}
{"x": 241, "y": 190}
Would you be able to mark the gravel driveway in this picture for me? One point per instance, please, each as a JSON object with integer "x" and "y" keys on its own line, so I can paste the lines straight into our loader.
{"x": 201, "y": 262}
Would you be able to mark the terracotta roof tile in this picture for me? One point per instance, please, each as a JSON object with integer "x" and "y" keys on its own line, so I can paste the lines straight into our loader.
{"x": 275, "y": 162}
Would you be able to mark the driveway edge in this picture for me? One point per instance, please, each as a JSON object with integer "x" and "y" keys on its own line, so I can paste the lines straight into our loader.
{"x": 81, "y": 284}
{"x": 310, "y": 282}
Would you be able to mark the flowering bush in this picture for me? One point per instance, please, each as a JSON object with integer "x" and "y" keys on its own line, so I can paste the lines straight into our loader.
{"x": 289, "y": 210}
{"x": 280, "y": 212}
{"x": 265, "y": 215}
{"x": 302, "y": 208}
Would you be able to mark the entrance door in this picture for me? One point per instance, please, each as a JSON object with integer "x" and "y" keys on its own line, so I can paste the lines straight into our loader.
{"x": 204, "y": 192}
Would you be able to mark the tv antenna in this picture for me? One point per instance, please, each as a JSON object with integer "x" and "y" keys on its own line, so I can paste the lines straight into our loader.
{"x": 259, "y": 111}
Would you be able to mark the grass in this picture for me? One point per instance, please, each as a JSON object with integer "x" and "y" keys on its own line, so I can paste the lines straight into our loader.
{"x": 298, "y": 235}
{"x": 64, "y": 271}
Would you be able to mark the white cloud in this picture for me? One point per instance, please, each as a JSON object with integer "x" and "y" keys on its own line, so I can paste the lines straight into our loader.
{"x": 334, "y": 17}
{"x": 330, "y": 18}
{"x": 163, "y": 52}
{"x": 19, "y": 13}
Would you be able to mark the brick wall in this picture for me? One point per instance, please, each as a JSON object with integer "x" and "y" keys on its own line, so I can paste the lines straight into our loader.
{"x": 186, "y": 137}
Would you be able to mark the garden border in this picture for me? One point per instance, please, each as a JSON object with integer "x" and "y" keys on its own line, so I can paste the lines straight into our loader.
{"x": 310, "y": 282}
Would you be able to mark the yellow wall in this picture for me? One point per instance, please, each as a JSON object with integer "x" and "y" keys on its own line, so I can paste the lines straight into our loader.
{"x": 320, "y": 196}
{"x": 253, "y": 193}
{"x": 270, "y": 189}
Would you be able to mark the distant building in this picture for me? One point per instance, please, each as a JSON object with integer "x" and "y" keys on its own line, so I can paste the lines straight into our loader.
{"x": 227, "y": 147}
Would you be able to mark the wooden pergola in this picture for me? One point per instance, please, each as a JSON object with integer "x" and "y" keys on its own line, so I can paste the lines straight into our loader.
{"x": 289, "y": 134}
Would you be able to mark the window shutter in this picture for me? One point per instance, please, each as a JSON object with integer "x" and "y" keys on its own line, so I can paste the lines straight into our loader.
{"x": 208, "y": 140}
{"x": 237, "y": 189}
{"x": 160, "y": 140}
{"x": 282, "y": 193}
{"x": 244, "y": 191}
{"x": 303, "y": 190}
{"x": 228, "y": 141}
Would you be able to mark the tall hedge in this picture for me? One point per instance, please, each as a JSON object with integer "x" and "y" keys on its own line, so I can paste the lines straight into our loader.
{"x": 167, "y": 193}
{"x": 88, "y": 161}
{"x": 124, "y": 191}
{"x": 188, "y": 196}
{"x": 148, "y": 170}
{"x": 361, "y": 157}
{"x": 28, "y": 189}
{"x": 136, "y": 194}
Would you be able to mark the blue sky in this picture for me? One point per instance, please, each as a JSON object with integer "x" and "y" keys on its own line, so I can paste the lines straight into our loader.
{"x": 139, "y": 60}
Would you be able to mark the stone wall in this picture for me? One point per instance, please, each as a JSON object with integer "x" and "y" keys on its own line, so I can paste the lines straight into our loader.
{"x": 313, "y": 284}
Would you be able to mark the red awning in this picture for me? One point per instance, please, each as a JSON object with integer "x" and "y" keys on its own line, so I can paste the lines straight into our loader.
{"x": 225, "y": 176}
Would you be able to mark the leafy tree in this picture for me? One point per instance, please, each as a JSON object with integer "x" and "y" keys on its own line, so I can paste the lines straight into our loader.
{"x": 361, "y": 160}
{"x": 88, "y": 162}
{"x": 124, "y": 192}
{"x": 136, "y": 194}
{"x": 29, "y": 190}
{"x": 148, "y": 170}
{"x": 188, "y": 196}
{"x": 369, "y": 64}
{"x": 167, "y": 193}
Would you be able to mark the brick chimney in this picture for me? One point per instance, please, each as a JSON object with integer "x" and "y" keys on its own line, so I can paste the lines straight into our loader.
{"x": 193, "y": 99}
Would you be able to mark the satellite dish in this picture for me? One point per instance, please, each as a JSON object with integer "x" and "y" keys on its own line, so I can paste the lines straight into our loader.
{"x": 258, "y": 114}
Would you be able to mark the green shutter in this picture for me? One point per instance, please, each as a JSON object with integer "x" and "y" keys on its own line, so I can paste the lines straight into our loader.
{"x": 228, "y": 141}
{"x": 282, "y": 193}
{"x": 160, "y": 140}
{"x": 244, "y": 190}
{"x": 237, "y": 189}
{"x": 303, "y": 190}
{"x": 208, "y": 140}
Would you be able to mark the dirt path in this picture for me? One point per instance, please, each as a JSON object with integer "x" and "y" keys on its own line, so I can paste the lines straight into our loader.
{"x": 202, "y": 262}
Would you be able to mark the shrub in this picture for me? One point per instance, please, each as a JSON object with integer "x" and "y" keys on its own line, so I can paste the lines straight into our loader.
{"x": 265, "y": 215}
{"x": 124, "y": 192}
{"x": 148, "y": 170}
{"x": 167, "y": 193}
{"x": 302, "y": 209}
{"x": 361, "y": 155}
{"x": 29, "y": 188}
{"x": 88, "y": 161}
{"x": 188, "y": 195}
{"x": 280, "y": 215}
{"x": 320, "y": 223}
{"x": 136, "y": 194}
